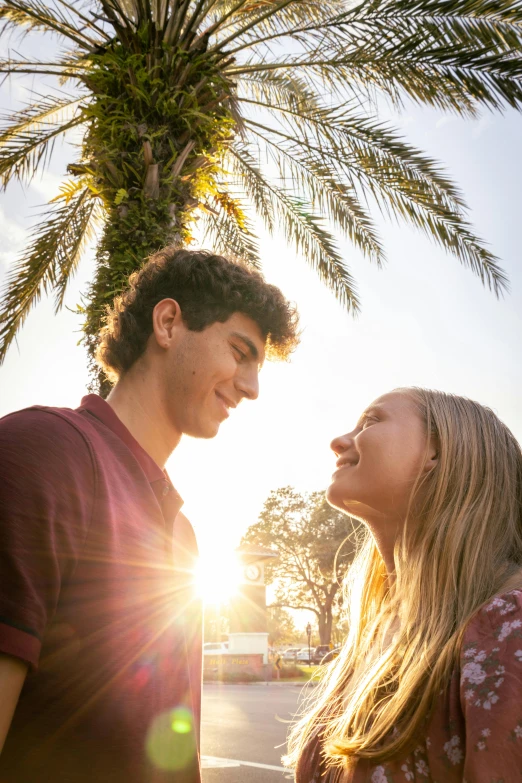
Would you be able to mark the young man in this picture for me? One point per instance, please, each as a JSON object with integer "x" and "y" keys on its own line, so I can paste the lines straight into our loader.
{"x": 100, "y": 633}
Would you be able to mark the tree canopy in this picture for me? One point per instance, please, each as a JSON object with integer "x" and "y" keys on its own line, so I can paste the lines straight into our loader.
{"x": 221, "y": 110}
{"x": 315, "y": 544}
{"x": 281, "y": 627}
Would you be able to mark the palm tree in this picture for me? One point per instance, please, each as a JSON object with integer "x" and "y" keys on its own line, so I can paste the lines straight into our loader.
{"x": 223, "y": 109}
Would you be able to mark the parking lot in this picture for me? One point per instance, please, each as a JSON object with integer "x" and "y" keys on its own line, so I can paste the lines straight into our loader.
{"x": 244, "y": 730}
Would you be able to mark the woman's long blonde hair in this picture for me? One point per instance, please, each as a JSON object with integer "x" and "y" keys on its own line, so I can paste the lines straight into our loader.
{"x": 462, "y": 546}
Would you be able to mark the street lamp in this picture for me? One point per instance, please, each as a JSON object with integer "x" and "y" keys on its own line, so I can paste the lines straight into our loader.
{"x": 309, "y": 634}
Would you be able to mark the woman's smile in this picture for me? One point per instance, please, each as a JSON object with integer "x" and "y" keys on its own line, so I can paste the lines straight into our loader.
{"x": 342, "y": 464}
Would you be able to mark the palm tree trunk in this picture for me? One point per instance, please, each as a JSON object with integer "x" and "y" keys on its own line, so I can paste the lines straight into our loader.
{"x": 149, "y": 154}
{"x": 132, "y": 233}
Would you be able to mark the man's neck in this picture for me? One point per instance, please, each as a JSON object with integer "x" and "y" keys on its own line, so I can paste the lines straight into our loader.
{"x": 140, "y": 409}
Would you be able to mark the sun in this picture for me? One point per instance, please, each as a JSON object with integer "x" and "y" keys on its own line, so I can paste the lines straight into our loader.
{"x": 218, "y": 576}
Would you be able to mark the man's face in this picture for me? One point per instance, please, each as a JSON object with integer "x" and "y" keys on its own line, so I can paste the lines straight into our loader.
{"x": 206, "y": 374}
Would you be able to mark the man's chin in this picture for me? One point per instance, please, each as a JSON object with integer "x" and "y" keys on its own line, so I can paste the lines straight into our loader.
{"x": 205, "y": 431}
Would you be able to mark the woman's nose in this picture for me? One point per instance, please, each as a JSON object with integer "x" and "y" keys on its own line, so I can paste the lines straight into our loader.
{"x": 341, "y": 443}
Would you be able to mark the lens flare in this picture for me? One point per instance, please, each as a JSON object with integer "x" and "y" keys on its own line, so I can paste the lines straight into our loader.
{"x": 181, "y": 721}
{"x": 171, "y": 740}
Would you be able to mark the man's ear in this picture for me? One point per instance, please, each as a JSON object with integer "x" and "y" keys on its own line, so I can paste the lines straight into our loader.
{"x": 433, "y": 454}
{"x": 166, "y": 320}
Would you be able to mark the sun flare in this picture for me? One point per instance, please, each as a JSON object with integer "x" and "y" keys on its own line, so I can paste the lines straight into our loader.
{"x": 218, "y": 576}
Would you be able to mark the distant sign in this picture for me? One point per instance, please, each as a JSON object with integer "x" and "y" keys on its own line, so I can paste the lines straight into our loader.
{"x": 230, "y": 662}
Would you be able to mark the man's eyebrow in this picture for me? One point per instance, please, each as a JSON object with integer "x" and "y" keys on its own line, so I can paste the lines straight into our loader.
{"x": 249, "y": 344}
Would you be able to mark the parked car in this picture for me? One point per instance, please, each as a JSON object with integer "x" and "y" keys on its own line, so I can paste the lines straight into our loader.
{"x": 290, "y": 654}
{"x": 320, "y": 652}
{"x": 331, "y": 655}
{"x": 215, "y": 648}
{"x": 304, "y": 655}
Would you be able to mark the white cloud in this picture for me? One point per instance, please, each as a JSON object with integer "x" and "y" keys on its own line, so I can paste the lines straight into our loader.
{"x": 444, "y": 121}
{"x": 12, "y": 238}
{"x": 403, "y": 121}
{"x": 482, "y": 125}
{"x": 47, "y": 185}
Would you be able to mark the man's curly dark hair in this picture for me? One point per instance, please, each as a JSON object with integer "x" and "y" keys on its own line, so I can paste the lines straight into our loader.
{"x": 208, "y": 288}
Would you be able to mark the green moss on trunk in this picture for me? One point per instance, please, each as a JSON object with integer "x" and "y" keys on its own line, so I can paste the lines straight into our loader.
{"x": 159, "y": 123}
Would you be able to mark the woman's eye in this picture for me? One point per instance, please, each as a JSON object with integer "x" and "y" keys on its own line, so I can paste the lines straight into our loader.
{"x": 239, "y": 353}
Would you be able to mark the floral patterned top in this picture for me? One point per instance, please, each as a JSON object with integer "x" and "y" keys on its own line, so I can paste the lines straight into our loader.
{"x": 475, "y": 734}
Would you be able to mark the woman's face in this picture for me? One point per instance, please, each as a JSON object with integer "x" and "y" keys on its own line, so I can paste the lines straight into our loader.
{"x": 380, "y": 460}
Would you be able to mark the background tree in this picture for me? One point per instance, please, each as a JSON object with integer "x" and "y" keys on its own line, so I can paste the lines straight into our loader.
{"x": 216, "y": 622}
{"x": 315, "y": 544}
{"x": 220, "y": 109}
{"x": 281, "y": 627}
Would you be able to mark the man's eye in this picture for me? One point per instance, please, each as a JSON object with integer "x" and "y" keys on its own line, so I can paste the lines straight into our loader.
{"x": 240, "y": 353}
{"x": 368, "y": 420}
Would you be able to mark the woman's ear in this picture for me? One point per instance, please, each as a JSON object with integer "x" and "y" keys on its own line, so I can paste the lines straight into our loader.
{"x": 433, "y": 454}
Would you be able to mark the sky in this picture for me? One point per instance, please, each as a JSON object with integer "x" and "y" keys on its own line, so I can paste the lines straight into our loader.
{"x": 425, "y": 321}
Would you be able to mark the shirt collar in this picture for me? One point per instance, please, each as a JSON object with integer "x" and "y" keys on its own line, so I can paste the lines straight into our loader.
{"x": 158, "y": 478}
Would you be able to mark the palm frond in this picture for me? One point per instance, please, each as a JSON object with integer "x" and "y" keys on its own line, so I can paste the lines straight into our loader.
{"x": 88, "y": 21}
{"x": 401, "y": 180}
{"x": 201, "y": 17}
{"x": 185, "y": 21}
{"x": 227, "y": 225}
{"x": 457, "y": 54}
{"x": 87, "y": 221}
{"x": 316, "y": 182}
{"x": 449, "y": 61}
{"x": 27, "y": 137}
{"x": 337, "y": 201}
{"x": 68, "y": 69}
{"x": 38, "y": 15}
{"x": 473, "y": 23}
{"x": 228, "y": 10}
{"x": 281, "y": 90}
{"x": 464, "y": 9}
{"x": 48, "y": 263}
{"x": 260, "y": 20}
{"x": 451, "y": 231}
{"x": 263, "y": 13}
{"x": 366, "y": 152}
{"x": 307, "y": 233}
{"x": 248, "y": 176}
{"x": 142, "y": 12}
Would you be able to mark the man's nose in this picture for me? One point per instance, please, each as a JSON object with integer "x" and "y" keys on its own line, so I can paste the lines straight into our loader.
{"x": 248, "y": 384}
{"x": 341, "y": 443}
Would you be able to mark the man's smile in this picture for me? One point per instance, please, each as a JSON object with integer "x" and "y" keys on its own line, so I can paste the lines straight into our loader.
{"x": 226, "y": 403}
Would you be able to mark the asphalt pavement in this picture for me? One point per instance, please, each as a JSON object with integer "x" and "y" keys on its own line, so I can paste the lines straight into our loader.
{"x": 244, "y": 730}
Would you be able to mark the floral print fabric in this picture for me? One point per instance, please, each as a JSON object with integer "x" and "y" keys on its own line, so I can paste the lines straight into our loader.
{"x": 475, "y": 734}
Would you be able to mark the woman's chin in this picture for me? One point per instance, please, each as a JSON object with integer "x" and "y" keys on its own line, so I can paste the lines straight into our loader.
{"x": 335, "y": 497}
{"x": 338, "y": 499}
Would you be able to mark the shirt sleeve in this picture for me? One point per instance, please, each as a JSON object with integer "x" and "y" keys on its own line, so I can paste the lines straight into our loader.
{"x": 46, "y": 497}
{"x": 491, "y": 692}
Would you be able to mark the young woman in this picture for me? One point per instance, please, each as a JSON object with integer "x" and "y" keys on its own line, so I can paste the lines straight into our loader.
{"x": 428, "y": 686}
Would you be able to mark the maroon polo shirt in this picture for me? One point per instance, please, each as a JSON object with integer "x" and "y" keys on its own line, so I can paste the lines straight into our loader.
{"x": 96, "y": 594}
